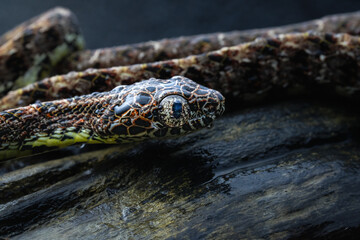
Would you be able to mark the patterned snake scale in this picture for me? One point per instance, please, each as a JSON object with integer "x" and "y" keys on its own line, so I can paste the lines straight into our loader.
{"x": 247, "y": 65}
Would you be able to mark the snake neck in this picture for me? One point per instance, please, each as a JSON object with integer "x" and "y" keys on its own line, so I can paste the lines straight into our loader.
{"x": 55, "y": 124}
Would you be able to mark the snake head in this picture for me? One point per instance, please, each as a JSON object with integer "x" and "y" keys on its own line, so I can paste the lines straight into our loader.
{"x": 159, "y": 108}
{"x": 185, "y": 106}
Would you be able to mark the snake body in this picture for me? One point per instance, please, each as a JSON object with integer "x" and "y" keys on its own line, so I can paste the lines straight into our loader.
{"x": 182, "y": 47}
{"x": 242, "y": 65}
{"x": 163, "y": 50}
{"x": 246, "y": 71}
{"x": 148, "y": 109}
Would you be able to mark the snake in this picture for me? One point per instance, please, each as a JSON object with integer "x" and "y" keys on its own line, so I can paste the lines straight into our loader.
{"x": 148, "y": 109}
{"x": 114, "y": 102}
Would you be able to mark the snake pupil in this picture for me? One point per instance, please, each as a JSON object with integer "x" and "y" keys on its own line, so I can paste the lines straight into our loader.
{"x": 177, "y": 109}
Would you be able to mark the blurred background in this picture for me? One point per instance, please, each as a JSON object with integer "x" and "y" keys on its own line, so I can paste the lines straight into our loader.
{"x": 108, "y": 23}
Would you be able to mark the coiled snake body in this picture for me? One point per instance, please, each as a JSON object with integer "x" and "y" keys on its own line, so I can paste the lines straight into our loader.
{"x": 238, "y": 64}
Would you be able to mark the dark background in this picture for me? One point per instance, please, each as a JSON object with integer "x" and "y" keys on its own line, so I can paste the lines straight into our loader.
{"x": 108, "y": 23}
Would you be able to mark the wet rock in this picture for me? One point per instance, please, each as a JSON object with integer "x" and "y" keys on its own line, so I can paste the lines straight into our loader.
{"x": 285, "y": 170}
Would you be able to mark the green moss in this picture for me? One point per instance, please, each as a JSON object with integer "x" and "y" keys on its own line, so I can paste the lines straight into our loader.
{"x": 31, "y": 75}
{"x": 40, "y": 70}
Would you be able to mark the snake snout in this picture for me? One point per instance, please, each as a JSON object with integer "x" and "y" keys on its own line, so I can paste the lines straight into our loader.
{"x": 220, "y": 109}
{"x": 215, "y": 105}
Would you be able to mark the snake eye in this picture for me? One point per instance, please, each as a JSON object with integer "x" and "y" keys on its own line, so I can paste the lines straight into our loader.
{"x": 174, "y": 111}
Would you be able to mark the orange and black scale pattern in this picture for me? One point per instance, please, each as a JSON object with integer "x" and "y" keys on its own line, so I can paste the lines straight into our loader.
{"x": 149, "y": 109}
{"x": 310, "y": 61}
